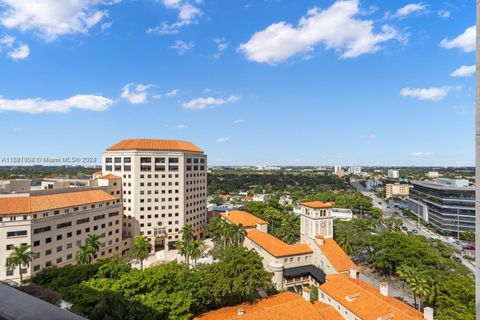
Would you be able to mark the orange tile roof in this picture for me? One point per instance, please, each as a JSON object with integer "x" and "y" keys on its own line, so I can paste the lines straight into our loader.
{"x": 284, "y": 306}
{"x": 368, "y": 303}
{"x": 327, "y": 311}
{"x": 155, "y": 144}
{"x": 337, "y": 257}
{"x": 275, "y": 246}
{"x": 98, "y": 173}
{"x": 318, "y": 204}
{"x": 110, "y": 176}
{"x": 37, "y": 203}
{"x": 244, "y": 218}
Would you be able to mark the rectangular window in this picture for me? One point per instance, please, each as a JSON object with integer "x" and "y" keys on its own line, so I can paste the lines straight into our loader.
{"x": 13, "y": 234}
{"x": 84, "y": 220}
{"x": 108, "y": 160}
{"x": 118, "y": 160}
{"x": 159, "y": 168}
{"x": 99, "y": 217}
{"x": 127, "y": 160}
{"x": 172, "y": 160}
{"x": 145, "y": 160}
{"x": 173, "y": 168}
{"x": 113, "y": 214}
{"x": 159, "y": 160}
{"x": 64, "y": 225}
{"x": 127, "y": 168}
{"x": 108, "y": 168}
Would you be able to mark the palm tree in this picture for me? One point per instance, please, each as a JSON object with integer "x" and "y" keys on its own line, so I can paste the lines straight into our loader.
{"x": 345, "y": 243}
{"x": 196, "y": 250}
{"x": 20, "y": 257}
{"x": 434, "y": 285}
{"x": 187, "y": 237}
{"x": 225, "y": 231}
{"x": 419, "y": 287}
{"x": 405, "y": 273}
{"x": 93, "y": 243}
{"x": 237, "y": 234}
{"x": 141, "y": 249}
{"x": 84, "y": 255}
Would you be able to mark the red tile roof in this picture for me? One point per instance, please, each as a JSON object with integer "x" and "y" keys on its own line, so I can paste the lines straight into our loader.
{"x": 318, "y": 204}
{"x": 37, "y": 203}
{"x": 337, "y": 257}
{"x": 155, "y": 144}
{"x": 244, "y": 218}
{"x": 110, "y": 176}
{"x": 275, "y": 246}
{"x": 284, "y": 306}
{"x": 366, "y": 302}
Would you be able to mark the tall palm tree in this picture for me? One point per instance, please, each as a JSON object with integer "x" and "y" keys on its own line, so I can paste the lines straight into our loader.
{"x": 420, "y": 288}
{"x": 84, "y": 255}
{"x": 187, "y": 237}
{"x": 196, "y": 250}
{"x": 237, "y": 234}
{"x": 20, "y": 257}
{"x": 405, "y": 273}
{"x": 225, "y": 232}
{"x": 434, "y": 286}
{"x": 93, "y": 243}
{"x": 141, "y": 249}
{"x": 345, "y": 243}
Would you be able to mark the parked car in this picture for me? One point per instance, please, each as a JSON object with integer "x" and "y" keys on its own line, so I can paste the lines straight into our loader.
{"x": 404, "y": 228}
{"x": 415, "y": 231}
{"x": 457, "y": 259}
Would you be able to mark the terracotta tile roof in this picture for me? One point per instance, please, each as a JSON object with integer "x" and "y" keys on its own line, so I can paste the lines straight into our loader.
{"x": 110, "y": 176}
{"x": 275, "y": 246}
{"x": 367, "y": 303}
{"x": 244, "y": 218}
{"x": 327, "y": 312}
{"x": 318, "y": 204}
{"x": 155, "y": 144}
{"x": 98, "y": 173}
{"x": 337, "y": 257}
{"x": 284, "y": 306}
{"x": 37, "y": 203}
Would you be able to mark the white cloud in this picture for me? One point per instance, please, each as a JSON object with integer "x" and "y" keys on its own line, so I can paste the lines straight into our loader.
{"x": 465, "y": 41}
{"x": 136, "y": 93}
{"x": 422, "y": 154}
{"x": 51, "y": 19}
{"x": 238, "y": 121}
{"x": 105, "y": 26}
{"x": 409, "y": 9}
{"x": 225, "y": 139}
{"x": 222, "y": 45}
{"x": 203, "y": 103}
{"x": 19, "y": 53}
{"x": 464, "y": 71}
{"x": 369, "y": 136}
{"x": 182, "y": 126}
{"x": 173, "y": 93}
{"x": 433, "y": 94}
{"x": 187, "y": 14}
{"x": 443, "y": 14}
{"x": 15, "y": 50}
{"x": 182, "y": 47}
{"x": 39, "y": 105}
{"x": 336, "y": 28}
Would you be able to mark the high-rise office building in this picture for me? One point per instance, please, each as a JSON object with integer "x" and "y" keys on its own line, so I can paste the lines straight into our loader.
{"x": 164, "y": 187}
{"x": 449, "y": 208}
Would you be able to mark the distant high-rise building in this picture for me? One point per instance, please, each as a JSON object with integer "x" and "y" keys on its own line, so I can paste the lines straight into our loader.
{"x": 164, "y": 187}
{"x": 394, "y": 174}
{"x": 432, "y": 174}
{"x": 354, "y": 170}
{"x": 396, "y": 190}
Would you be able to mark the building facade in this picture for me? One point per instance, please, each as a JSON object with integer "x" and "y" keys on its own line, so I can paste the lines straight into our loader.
{"x": 55, "y": 224}
{"x": 394, "y": 174}
{"x": 448, "y": 208}
{"x": 396, "y": 190}
{"x": 164, "y": 187}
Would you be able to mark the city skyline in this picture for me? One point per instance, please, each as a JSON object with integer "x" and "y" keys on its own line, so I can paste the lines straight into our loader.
{"x": 395, "y": 88}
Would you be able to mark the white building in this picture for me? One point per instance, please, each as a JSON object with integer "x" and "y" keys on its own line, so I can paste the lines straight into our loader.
{"x": 56, "y": 223}
{"x": 342, "y": 214}
{"x": 354, "y": 170}
{"x": 457, "y": 183}
{"x": 394, "y": 174}
{"x": 15, "y": 185}
{"x": 432, "y": 174}
{"x": 164, "y": 187}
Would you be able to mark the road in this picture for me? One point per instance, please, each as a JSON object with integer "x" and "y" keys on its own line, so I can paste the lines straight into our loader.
{"x": 412, "y": 225}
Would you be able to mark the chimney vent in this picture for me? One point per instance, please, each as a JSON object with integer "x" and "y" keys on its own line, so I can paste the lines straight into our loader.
{"x": 428, "y": 313}
{"x": 384, "y": 288}
{"x": 240, "y": 311}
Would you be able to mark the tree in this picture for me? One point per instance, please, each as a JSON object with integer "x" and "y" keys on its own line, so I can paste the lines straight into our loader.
{"x": 196, "y": 250}
{"x": 93, "y": 243}
{"x": 141, "y": 249}
{"x": 84, "y": 255}
{"x": 19, "y": 257}
{"x": 187, "y": 237}
{"x": 345, "y": 244}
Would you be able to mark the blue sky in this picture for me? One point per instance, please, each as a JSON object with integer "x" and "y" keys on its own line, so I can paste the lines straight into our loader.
{"x": 251, "y": 82}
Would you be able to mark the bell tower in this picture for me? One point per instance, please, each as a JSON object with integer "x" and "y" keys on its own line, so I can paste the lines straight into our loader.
{"x": 316, "y": 220}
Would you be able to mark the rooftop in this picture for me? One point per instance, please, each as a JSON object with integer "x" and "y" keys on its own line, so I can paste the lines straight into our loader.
{"x": 155, "y": 144}
{"x": 440, "y": 186}
{"x": 337, "y": 257}
{"x": 367, "y": 303}
{"x": 110, "y": 176}
{"x": 242, "y": 217}
{"x": 318, "y": 204}
{"x": 30, "y": 203}
{"x": 284, "y": 306}
{"x": 275, "y": 246}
